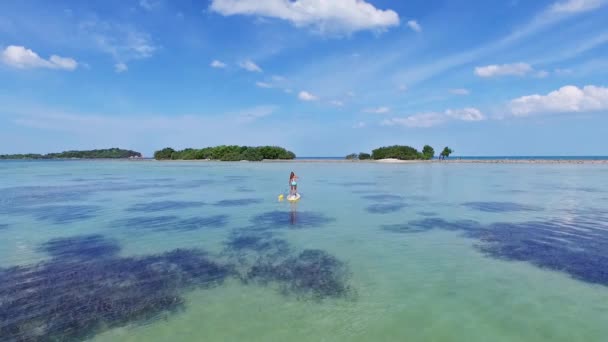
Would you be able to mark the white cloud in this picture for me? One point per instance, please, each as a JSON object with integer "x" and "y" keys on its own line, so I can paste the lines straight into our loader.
{"x": 306, "y": 96}
{"x": 460, "y": 91}
{"x": 23, "y": 58}
{"x": 359, "y": 124}
{"x": 567, "y": 99}
{"x": 217, "y": 64}
{"x": 549, "y": 16}
{"x": 325, "y": 16}
{"x": 123, "y": 42}
{"x": 379, "y": 110}
{"x": 413, "y": 24}
{"x": 120, "y": 67}
{"x": 250, "y": 66}
{"x": 65, "y": 63}
{"x": 402, "y": 88}
{"x": 516, "y": 69}
{"x": 149, "y": 4}
{"x": 263, "y": 85}
{"x": 575, "y": 6}
{"x": 465, "y": 114}
{"x": 278, "y": 78}
{"x": 336, "y": 103}
{"x": 417, "y": 120}
{"x": 542, "y": 74}
{"x": 430, "y": 119}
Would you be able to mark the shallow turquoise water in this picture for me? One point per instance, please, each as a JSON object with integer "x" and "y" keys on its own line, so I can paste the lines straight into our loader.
{"x": 442, "y": 252}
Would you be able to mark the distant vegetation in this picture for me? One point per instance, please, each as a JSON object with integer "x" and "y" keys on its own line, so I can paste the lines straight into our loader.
{"x": 110, "y": 153}
{"x": 225, "y": 153}
{"x": 445, "y": 153}
{"x": 364, "y": 156}
{"x": 360, "y": 156}
{"x": 397, "y": 152}
{"x": 428, "y": 152}
{"x": 400, "y": 152}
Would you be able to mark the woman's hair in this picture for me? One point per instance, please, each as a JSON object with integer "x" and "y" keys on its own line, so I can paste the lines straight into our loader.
{"x": 292, "y": 175}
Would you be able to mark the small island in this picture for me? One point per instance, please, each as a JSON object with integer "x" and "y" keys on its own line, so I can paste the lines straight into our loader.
{"x": 226, "y": 153}
{"x": 110, "y": 153}
{"x": 400, "y": 152}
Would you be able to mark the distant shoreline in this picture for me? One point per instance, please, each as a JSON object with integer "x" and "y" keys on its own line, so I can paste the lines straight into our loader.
{"x": 395, "y": 161}
{"x": 451, "y": 161}
{"x": 468, "y": 160}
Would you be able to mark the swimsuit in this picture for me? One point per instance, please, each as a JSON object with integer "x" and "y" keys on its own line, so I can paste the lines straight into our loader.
{"x": 293, "y": 183}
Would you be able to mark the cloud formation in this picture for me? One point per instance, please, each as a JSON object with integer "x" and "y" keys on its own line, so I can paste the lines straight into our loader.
{"x": 121, "y": 41}
{"x": 325, "y": 16}
{"x": 567, "y": 99}
{"x": 21, "y": 57}
{"x": 516, "y": 69}
{"x": 250, "y": 66}
{"x": 413, "y": 24}
{"x": 417, "y": 120}
{"x": 217, "y": 64}
{"x": 306, "y": 96}
{"x": 465, "y": 114}
{"x": 430, "y": 119}
{"x": 379, "y": 110}
{"x": 263, "y": 85}
{"x": 576, "y": 6}
{"x": 120, "y": 67}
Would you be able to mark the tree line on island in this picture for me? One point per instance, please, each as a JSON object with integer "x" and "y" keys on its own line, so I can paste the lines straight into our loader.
{"x": 401, "y": 152}
{"x": 110, "y": 153}
{"x": 226, "y": 153}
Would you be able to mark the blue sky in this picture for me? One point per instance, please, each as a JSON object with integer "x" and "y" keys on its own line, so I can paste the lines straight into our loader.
{"x": 322, "y": 78}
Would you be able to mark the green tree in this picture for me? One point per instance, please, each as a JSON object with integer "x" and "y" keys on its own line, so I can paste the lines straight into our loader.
{"x": 226, "y": 153}
{"x": 364, "y": 156}
{"x": 164, "y": 154}
{"x": 352, "y": 156}
{"x": 397, "y": 152}
{"x": 252, "y": 154}
{"x": 428, "y": 152}
{"x": 113, "y": 153}
{"x": 446, "y": 152}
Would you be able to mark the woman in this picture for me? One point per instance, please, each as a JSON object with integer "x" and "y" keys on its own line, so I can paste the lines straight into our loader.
{"x": 293, "y": 183}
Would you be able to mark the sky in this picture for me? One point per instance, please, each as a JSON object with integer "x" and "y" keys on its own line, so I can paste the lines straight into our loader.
{"x": 319, "y": 77}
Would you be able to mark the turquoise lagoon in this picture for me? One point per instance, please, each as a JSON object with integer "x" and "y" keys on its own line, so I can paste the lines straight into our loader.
{"x": 372, "y": 252}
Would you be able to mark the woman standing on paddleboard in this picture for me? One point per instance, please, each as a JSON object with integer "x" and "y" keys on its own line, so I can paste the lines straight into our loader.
{"x": 293, "y": 184}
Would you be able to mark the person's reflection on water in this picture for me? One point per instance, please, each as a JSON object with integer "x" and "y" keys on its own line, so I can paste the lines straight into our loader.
{"x": 293, "y": 213}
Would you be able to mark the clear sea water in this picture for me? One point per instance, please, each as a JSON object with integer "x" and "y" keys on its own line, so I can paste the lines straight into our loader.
{"x": 371, "y": 252}
{"x": 491, "y": 158}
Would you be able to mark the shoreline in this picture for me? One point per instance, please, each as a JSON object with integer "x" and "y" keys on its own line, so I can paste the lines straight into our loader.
{"x": 343, "y": 161}
{"x": 395, "y": 161}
